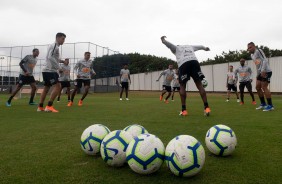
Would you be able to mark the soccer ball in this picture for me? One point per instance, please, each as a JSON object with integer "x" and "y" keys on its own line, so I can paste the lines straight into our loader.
{"x": 204, "y": 83}
{"x": 221, "y": 140}
{"x": 135, "y": 130}
{"x": 92, "y": 137}
{"x": 185, "y": 156}
{"x": 113, "y": 147}
{"x": 145, "y": 154}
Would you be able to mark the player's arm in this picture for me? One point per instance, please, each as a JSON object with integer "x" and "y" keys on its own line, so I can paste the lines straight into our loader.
{"x": 52, "y": 59}
{"x": 227, "y": 81}
{"x": 24, "y": 60}
{"x": 251, "y": 74}
{"x": 160, "y": 76}
{"x": 200, "y": 47}
{"x": 129, "y": 78}
{"x": 168, "y": 44}
{"x": 236, "y": 76}
{"x": 75, "y": 68}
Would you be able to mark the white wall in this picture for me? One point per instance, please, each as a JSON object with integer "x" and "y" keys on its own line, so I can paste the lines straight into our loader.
{"x": 215, "y": 75}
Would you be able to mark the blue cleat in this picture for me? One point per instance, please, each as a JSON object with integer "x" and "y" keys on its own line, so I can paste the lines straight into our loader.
{"x": 269, "y": 108}
{"x": 8, "y": 104}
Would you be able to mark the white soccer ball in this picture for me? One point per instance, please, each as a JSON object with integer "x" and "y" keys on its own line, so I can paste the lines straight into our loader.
{"x": 113, "y": 147}
{"x": 92, "y": 137}
{"x": 204, "y": 83}
{"x": 135, "y": 130}
{"x": 145, "y": 154}
{"x": 185, "y": 156}
{"x": 221, "y": 140}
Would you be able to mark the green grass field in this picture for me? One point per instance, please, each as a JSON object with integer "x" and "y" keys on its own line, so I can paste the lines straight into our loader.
{"x": 39, "y": 147}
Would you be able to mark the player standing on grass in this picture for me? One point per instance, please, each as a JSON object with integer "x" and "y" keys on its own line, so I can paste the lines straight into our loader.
{"x": 175, "y": 85}
{"x": 124, "y": 81}
{"x": 264, "y": 74}
{"x": 168, "y": 77}
{"x": 65, "y": 78}
{"x": 245, "y": 80}
{"x": 50, "y": 74}
{"x": 231, "y": 84}
{"x": 84, "y": 72}
{"x": 188, "y": 66}
{"x": 27, "y": 65}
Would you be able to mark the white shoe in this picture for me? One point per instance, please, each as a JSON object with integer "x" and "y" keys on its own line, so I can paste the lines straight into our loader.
{"x": 120, "y": 99}
{"x": 127, "y": 99}
{"x": 227, "y": 100}
{"x": 238, "y": 100}
{"x": 262, "y": 106}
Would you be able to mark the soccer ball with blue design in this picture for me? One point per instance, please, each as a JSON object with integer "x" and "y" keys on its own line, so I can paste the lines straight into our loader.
{"x": 145, "y": 154}
{"x": 113, "y": 147}
{"x": 204, "y": 82}
{"x": 92, "y": 137}
{"x": 221, "y": 140}
{"x": 185, "y": 156}
{"x": 135, "y": 130}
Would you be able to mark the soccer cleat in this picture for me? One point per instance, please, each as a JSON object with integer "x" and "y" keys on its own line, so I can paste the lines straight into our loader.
{"x": 172, "y": 100}
{"x": 127, "y": 98}
{"x": 227, "y": 100}
{"x": 40, "y": 109}
{"x": 241, "y": 103}
{"x": 50, "y": 109}
{"x": 207, "y": 111}
{"x": 183, "y": 113}
{"x": 268, "y": 108}
{"x": 238, "y": 100}
{"x": 80, "y": 103}
{"x": 254, "y": 102}
{"x": 58, "y": 101}
{"x": 70, "y": 104}
{"x": 33, "y": 103}
{"x": 166, "y": 101}
{"x": 161, "y": 97}
{"x": 262, "y": 106}
{"x": 8, "y": 104}
{"x": 120, "y": 99}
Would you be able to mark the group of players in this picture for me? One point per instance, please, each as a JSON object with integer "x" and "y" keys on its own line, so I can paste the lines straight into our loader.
{"x": 57, "y": 74}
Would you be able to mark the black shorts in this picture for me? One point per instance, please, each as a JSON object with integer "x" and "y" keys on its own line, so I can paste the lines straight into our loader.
{"x": 65, "y": 84}
{"x": 242, "y": 85}
{"x": 25, "y": 80}
{"x": 231, "y": 87}
{"x": 190, "y": 69}
{"x": 265, "y": 79}
{"x": 124, "y": 85}
{"x": 176, "y": 88}
{"x": 78, "y": 82}
{"x": 167, "y": 88}
{"x": 50, "y": 78}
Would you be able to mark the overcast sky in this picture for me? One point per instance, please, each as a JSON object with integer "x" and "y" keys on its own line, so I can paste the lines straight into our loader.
{"x": 137, "y": 25}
